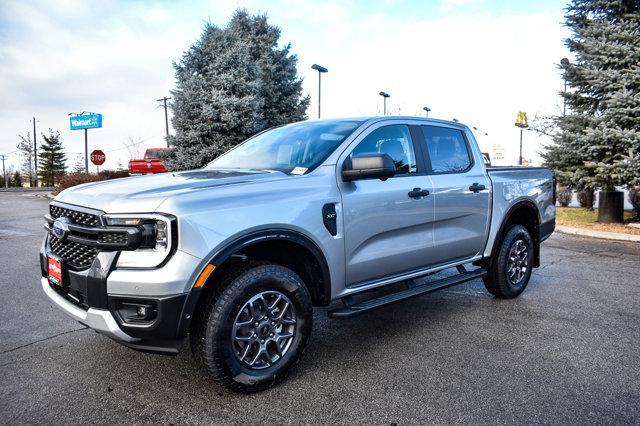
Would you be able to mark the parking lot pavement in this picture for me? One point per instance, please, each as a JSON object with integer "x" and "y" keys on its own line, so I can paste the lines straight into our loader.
{"x": 566, "y": 351}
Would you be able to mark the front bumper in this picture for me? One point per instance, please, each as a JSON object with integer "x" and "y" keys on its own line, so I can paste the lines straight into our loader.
{"x": 90, "y": 297}
{"x": 100, "y": 320}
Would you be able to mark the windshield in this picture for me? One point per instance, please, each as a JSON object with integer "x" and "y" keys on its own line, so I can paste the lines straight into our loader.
{"x": 292, "y": 149}
{"x": 153, "y": 153}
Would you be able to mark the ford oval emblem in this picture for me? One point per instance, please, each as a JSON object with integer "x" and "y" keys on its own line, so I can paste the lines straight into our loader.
{"x": 60, "y": 227}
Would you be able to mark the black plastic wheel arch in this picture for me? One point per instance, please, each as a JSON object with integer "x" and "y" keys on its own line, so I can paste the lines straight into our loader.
{"x": 527, "y": 204}
{"x": 220, "y": 256}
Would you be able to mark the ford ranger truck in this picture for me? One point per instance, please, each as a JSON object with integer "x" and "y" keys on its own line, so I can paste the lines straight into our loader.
{"x": 354, "y": 214}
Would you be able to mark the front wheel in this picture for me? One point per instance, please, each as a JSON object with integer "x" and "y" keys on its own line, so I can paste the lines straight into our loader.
{"x": 510, "y": 269}
{"x": 255, "y": 328}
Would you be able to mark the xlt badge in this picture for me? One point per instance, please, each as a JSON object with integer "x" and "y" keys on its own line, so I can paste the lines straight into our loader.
{"x": 329, "y": 218}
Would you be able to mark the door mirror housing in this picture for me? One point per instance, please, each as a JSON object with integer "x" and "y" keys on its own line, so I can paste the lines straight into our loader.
{"x": 368, "y": 166}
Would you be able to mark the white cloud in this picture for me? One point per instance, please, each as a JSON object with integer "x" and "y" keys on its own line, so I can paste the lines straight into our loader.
{"x": 448, "y": 5}
{"x": 116, "y": 58}
{"x": 69, "y": 57}
{"x": 479, "y": 69}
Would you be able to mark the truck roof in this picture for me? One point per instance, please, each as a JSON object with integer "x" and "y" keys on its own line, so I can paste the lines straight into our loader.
{"x": 378, "y": 118}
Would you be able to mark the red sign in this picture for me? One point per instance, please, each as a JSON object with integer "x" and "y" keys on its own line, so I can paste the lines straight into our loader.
{"x": 55, "y": 270}
{"x": 98, "y": 157}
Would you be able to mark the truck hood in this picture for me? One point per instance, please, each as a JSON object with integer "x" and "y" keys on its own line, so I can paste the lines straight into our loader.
{"x": 139, "y": 194}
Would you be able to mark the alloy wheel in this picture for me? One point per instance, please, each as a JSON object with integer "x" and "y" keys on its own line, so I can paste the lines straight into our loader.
{"x": 518, "y": 262}
{"x": 264, "y": 330}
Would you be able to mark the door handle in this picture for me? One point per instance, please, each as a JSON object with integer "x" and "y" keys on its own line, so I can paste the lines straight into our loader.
{"x": 418, "y": 192}
{"x": 476, "y": 187}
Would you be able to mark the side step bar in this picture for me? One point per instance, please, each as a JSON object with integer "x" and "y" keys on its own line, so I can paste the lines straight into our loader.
{"x": 413, "y": 289}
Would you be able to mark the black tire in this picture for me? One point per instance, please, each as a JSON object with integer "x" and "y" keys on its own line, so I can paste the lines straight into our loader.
{"x": 499, "y": 281}
{"x": 212, "y": 338}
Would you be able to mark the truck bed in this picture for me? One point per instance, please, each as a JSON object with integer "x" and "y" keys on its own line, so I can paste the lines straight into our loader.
{"x": 512, "y": 184}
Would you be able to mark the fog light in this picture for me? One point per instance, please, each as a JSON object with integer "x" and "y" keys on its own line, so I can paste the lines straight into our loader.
{"x": 137, "y": 311}
{"x": 142, "y": 311}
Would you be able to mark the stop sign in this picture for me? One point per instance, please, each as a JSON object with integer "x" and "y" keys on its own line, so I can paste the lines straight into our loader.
{"x": 98, "y": 157}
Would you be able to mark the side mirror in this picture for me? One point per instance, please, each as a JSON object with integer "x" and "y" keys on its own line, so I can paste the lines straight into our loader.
{"x": 368, "y": 166}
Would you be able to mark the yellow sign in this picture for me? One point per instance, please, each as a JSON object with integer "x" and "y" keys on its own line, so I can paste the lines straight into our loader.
{"x": 521, "y": 119}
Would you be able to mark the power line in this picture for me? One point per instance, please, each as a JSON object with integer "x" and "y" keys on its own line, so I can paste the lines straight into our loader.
{"x": 136, "y": 143}
{"x": 124, "y": 147}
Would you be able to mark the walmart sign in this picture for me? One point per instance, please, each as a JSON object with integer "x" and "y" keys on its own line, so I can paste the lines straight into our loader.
{"x": 88, "y": 121}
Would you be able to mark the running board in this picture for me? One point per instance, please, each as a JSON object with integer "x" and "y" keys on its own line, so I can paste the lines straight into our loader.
{"x": 413, "y": 289}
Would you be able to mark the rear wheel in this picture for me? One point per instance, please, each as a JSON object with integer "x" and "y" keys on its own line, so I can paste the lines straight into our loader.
{"x": 253, "y": 330}
{"x": 510, "y": 270}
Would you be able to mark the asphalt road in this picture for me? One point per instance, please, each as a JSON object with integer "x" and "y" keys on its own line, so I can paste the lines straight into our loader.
{"x": 566, "y": 351}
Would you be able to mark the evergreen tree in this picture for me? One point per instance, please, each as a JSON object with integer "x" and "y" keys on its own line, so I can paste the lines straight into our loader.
{"x": 16, "y": 180}
{"x": 231, "y": 84}
{"x": 52, "y": 159}
{"x": 5, "y": 179}
{"x": 597, "y": 144}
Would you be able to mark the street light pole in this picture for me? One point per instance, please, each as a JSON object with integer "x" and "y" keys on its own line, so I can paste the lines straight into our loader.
{"x": 319, "y": 92}
{"x": 384, "y": 95}
{"x": 426, "y": 111}
{"x": 35, "y": 154}
{"x": 564, "y": 63}
{"x": 320, "y": 70}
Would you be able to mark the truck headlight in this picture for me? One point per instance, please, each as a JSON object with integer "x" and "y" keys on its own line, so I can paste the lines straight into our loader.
{"x": 159, "y": 233}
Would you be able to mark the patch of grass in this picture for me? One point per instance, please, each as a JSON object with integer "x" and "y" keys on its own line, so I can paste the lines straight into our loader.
{"x": 582, "y": 218}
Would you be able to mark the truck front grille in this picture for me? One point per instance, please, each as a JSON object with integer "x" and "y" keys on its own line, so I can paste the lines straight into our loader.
{"x": 78, "y": 256}
{"x": 74, "y": 254}
{"x": 78, "y": 217}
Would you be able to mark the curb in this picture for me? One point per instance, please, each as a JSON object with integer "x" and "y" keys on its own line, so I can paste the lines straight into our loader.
{"x": 28, "y": 189}
{"x": 598, "y": 234}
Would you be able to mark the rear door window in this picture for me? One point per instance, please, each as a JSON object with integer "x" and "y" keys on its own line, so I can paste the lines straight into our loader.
{"x": 448, "y": 149}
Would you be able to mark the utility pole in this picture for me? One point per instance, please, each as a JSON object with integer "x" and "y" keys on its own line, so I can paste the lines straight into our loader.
{"x": 384, "y": 95}
{"x": 35, "y": 154}
{"x": 166, "y": 117}
{"x": 4, "y": 173}
{"x": 320, "y": 70}
{"x": 564, "y": 63}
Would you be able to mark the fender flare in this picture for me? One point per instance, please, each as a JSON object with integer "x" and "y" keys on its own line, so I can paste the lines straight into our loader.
{"x": 529, "y": 204}
{"x": 219, "y": 256}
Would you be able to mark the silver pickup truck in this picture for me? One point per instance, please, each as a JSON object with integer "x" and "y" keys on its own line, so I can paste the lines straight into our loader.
{"x": 354, "y": 214}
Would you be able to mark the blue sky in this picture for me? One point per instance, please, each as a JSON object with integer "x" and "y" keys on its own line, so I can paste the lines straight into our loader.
{"x": 477, "y": 60}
